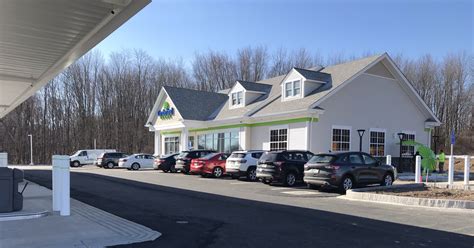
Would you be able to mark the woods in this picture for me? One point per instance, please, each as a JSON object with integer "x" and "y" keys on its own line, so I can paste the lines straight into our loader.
{"x": 109, "y": 99}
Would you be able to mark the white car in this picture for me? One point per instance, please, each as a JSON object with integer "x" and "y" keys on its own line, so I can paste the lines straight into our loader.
{"x": 243, "y": 164}
{"x": 83, "y": 157}
{"x": 137, "y": 161}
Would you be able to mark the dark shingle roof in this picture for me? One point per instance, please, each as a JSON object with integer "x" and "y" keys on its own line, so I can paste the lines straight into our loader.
{"x": 252, "y": 86}
{"x": 195, "y": 104}
{"x": 314, "y": 75}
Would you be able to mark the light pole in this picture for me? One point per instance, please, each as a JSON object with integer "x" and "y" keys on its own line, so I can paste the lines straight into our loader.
{"x": 401, "y": 136}
{"x": 361, "y": 134}
{"x": 31, "y": 148}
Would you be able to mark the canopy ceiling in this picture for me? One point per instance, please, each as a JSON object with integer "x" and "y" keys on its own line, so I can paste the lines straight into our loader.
{"x": 40, "y": 38}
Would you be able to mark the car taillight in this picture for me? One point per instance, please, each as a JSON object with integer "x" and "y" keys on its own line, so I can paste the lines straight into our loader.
{"x": 332, "y": 167}
{"x": 278, "y": 163}
{"x": 243, "y": 161}
{"x": 124, "y": 160}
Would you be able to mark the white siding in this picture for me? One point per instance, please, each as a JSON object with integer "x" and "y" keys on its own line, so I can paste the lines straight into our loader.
{"x": 260, "y": 136}
{"x": 369, "y": 102}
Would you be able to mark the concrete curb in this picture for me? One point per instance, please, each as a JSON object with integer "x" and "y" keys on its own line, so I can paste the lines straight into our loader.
{"x": 367, "y": 194}
{"x": 22, "y": 216}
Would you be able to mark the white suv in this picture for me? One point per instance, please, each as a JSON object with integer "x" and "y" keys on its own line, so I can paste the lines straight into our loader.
{"x": 243, "y": 164}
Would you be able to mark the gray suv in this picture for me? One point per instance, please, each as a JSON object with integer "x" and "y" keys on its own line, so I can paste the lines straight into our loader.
{"x": 345, "y": 170}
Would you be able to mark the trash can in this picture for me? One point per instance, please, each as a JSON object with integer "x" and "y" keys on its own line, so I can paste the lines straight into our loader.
{"x": 10, "y": 199}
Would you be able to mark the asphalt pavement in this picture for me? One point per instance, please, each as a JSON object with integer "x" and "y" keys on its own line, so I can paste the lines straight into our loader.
{"x": 191, "y": 211}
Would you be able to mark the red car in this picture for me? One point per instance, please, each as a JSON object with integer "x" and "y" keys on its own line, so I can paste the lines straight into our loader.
{"x": 211, "y": 164}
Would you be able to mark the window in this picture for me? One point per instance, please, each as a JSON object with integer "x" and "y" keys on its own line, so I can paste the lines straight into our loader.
{"x": 237, "y": 98}
{"x": 341, "y": 139}
{"x": 297, "y": 156}
{"x": 355, "y": 159}
{"x": 191, "y": 143}
{"x": 408, "y": 150}
{"x": 377, "y": 143}
{"x": 257, "y": 155}
{"x": 171, "y": 145}
{"x": 278, "y": 139}
{"x": 222, "y": 142}
{"x": 83, "y": 154}
{"x": 293, "y": 88}
{"x": 368, "y": 159}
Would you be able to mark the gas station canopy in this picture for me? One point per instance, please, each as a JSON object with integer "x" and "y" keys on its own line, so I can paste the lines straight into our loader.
{"x": 40, "y": 38}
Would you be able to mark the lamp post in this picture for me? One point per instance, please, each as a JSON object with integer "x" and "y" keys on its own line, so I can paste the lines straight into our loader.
{"x": 361, "y": 134}
{"x": 401, "y": 136}
{"x": 31, "y": 148}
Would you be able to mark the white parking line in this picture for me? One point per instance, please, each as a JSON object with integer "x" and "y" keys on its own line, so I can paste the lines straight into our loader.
{"x": 237, "y": 183}
{"x": 301, "y": 192}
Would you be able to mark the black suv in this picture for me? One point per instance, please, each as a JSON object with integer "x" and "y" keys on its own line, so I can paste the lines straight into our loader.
{"x": 345, "y": 170}
{"x": 183, "y": 160}
{"x": 110, "y": 160}
{"x": 282, "y": 166}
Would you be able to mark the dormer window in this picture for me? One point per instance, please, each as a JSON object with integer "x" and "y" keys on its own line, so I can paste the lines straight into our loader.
{"x": 237, "y": 98}
{"x": 293, "y": 88}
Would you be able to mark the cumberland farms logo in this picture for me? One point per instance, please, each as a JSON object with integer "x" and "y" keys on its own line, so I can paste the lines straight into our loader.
{"x": 166, "y": 112}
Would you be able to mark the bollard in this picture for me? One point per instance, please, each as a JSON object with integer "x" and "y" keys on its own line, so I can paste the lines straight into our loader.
{"x": 467, "y": 165}
{"x": 451, "y": 171}
{"x": 389, "y": 160}
{"x": 61, "y": 185}
{"x": 3, "y": 159}
{"x": 418, "y": 169}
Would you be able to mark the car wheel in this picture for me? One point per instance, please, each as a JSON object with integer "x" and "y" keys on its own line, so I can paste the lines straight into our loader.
{"x": 289, "y": 179}
{"x": 135, "y": 166}
{"x": 76, "y": 164}
{"x": 251, "y": 174}
{"x": 165, "y": 171}
{"x": 347, "y": 183}
{"x": 387, "y": 180}
{"x": 110, "y": 165}
{"x": 265, "y": 181}
{"x": 217, "y": 172}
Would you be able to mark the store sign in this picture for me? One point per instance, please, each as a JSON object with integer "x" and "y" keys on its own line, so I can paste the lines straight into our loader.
{"x": 166, "y": 112}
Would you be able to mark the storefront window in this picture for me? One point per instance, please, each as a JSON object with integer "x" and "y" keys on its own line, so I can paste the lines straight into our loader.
{"x": 171, "y": 145}
{"x": 221, "y": 142}
{"x": 408, "y": 150}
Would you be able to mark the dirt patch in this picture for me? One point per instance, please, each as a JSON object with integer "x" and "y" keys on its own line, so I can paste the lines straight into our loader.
{"x": 432, "y": 193}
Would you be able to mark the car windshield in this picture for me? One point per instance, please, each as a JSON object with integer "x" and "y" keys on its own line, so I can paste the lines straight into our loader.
{"x": 76, "y": 153}
{"x": 209, "y": 156}
{"x": 322, "y": 158}
{"x": 183, "y": 155}
{"x": 237, "y": 155}
{"x": 170, "y": 155}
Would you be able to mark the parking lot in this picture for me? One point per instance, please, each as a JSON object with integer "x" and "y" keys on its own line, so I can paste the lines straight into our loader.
{"x": 191, "y": 211}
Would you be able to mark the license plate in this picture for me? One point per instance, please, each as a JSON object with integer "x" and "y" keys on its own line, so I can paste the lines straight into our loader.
{"x": 315, "y": 171}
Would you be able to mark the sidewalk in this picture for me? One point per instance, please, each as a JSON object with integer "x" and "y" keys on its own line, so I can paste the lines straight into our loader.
{"x": 86, "y": 227}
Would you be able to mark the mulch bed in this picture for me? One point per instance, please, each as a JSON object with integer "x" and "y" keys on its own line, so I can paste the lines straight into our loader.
{"x": 432, "y": 193}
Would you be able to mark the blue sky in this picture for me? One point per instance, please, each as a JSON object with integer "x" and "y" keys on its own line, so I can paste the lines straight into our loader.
{"x": 174, "y": 29}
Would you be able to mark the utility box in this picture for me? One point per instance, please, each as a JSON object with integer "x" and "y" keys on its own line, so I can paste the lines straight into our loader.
{"x": 10, "y": 199}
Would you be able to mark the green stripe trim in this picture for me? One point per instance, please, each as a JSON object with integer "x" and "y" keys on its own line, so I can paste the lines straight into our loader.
{"x": 259, "y": 124}
{"x": 427, "y": 130}
{"x": 171, "y": 132}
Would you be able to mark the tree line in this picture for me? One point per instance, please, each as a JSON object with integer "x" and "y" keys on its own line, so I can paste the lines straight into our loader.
{"x": 108, "y": 100}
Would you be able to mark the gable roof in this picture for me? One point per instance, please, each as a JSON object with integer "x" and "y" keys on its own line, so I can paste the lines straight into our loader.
{"x": 195, "y": 104}
{"x": 252, "y": 86}
{"x": 313, "y": 74}
{"x": 339, "y": 74}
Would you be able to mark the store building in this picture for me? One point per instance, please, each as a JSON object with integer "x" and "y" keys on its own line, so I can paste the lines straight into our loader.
{"x": 319, "y": 109}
